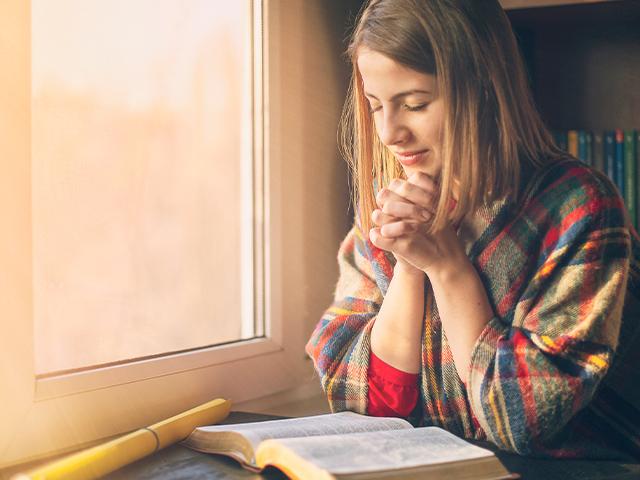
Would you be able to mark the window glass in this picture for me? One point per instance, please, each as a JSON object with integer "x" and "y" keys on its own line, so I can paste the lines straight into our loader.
{"x": 141, "y": 178}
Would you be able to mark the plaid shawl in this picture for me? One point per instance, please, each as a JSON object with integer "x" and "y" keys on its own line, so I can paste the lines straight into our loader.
{"x": 552, "y": 374}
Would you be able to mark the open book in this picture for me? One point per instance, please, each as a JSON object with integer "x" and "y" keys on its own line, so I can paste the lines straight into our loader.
{"x": 350, "y": 446}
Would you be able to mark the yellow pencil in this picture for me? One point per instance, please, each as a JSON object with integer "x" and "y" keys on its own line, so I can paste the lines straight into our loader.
{"x": 107, "y": 457}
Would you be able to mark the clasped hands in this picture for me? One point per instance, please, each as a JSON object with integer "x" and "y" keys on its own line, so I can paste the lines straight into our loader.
{"x": 405, "y": 211}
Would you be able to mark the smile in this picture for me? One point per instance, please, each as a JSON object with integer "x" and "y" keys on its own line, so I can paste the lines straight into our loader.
{"x": 410, "y": 158}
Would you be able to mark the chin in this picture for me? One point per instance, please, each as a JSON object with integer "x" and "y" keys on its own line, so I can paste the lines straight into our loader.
{"x": 432, "y": 172}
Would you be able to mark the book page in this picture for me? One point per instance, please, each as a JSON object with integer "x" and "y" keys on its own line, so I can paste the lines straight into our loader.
{"x": 329, "y": 424}
{"x": 384, "y": 450}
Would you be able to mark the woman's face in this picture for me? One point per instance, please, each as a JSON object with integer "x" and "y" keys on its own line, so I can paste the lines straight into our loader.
{"x": 407, "y": 111}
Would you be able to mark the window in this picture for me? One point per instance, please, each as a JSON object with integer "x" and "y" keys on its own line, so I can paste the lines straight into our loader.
{"x": 141, "y": 178}
{"x": 46, "y": 410}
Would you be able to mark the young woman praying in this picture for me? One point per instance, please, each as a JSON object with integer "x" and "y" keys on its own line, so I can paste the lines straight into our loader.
{"x": 490, "y": 282}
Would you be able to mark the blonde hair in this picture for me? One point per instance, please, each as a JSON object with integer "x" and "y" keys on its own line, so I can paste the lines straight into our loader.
{"x": 492, "y": 131}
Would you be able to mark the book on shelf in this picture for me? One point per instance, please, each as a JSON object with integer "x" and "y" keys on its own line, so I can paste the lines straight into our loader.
{"x": 588, "y": 137}
{"x": 572, "y": 139}
{"x": 347, "y": 445}
{"x": 609, "y": 153}
{"x": 598, "y": 152}
{"x": 582, "y": 146}
{"x": 619, "y": 161}
{"x": 561, "y": 139}
{"x": 631, "y": 174}
{"x": 615, "y": 153}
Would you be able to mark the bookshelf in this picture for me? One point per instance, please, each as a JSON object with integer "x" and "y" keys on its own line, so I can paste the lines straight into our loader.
{"x": 583, "y": 59}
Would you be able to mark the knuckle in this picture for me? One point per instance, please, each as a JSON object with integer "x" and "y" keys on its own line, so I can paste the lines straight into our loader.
{"x": 416, "y": 177}
{"x": 407, "y": 228}
{"x": 391, "y": 229}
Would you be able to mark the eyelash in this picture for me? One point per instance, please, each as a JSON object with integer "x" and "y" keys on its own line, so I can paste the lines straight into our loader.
{"x": 417, "y": 108}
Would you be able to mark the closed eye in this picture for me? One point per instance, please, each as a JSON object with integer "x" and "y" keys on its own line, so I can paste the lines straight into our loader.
{"x": 409, "y": 108}
{"x": 415, "y": 108}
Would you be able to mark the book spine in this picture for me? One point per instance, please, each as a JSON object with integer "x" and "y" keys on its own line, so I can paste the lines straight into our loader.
{"x": 589, "y": 147}
{"x": 630, "y": 169}
{"x": 609, "y": 154}
{"x": 598, "y": 152}
{"x": 560, "y": 137}
{"x": 572, "y": 138}
{"x": 582, "y": 145}
{"x": 619, "y": 162}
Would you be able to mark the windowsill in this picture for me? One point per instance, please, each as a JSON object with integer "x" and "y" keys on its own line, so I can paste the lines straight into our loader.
{"x": 307, "y": 399}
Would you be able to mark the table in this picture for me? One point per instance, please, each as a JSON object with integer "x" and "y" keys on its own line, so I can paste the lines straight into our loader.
{"x": 178, "y": 462}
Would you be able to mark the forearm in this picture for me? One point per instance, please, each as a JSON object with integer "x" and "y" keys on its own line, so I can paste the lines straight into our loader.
{"x": 464, "y": 311}
{"x": 396, "y": 333}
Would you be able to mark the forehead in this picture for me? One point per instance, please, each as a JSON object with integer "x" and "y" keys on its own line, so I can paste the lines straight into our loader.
{"x": 382, "y": 75}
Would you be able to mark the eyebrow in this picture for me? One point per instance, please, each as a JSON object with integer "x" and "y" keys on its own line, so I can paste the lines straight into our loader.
{"x": 398, "y": 95}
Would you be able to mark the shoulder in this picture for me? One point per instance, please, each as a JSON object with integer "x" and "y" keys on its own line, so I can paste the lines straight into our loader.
{"x": 570, "y": 191}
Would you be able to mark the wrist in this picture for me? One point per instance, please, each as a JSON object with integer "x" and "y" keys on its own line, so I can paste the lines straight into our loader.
{"x": 452, "y": 272}
{"x": 405, "y": 269}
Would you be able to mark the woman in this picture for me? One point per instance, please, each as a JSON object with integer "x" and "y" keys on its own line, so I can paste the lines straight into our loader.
{"x": 489, "y": 283}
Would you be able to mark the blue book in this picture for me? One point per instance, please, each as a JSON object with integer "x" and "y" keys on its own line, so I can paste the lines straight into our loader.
{"x": 561, "y": 140}
{"x": 619, "y": 161}
{"x": 582, "y": 146}
{"x": 609, "y": 154}
{"x": 598, "y": 152}
{"x": 589, "y": 147}
{"x": 630, "y": 170}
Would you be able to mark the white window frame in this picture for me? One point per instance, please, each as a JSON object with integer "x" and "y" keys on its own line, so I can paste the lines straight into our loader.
{"x": 45, "y": 416}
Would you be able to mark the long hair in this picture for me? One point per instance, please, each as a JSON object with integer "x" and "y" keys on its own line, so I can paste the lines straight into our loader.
{"x": 492, "y": 132}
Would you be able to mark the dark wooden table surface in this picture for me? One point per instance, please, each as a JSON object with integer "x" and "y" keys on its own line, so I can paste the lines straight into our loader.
{"x": 178, "y": 462}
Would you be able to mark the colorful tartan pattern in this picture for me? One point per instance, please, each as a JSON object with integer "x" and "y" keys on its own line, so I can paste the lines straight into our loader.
{"x": 556, "y": 271}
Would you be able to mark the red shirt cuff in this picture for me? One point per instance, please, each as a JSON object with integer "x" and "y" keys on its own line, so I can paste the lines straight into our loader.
{"x": 390, "y": 374}
{"x": 392, "y": 392}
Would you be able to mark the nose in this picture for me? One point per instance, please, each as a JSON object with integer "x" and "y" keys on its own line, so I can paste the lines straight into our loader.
{"x": 391, "y": 129}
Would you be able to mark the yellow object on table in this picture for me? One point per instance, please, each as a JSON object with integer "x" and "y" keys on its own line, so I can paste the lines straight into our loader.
{"x": 107, "y": 457}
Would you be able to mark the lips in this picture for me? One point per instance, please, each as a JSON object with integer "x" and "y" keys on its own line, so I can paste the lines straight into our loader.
{"x": 410, "y": 158}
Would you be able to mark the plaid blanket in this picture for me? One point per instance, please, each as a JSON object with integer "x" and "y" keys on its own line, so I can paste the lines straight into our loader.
{"x": 553, "y": 373}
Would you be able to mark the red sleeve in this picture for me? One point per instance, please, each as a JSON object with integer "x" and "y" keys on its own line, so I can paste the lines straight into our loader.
{"x": 392, "y": 392}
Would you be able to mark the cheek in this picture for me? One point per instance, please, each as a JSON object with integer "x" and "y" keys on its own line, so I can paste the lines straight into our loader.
{"x": 433, "y": 132}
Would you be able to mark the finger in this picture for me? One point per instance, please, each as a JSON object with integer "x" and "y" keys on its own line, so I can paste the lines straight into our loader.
{"x": 403, "y": 191}
{"x": 407, "y": 211}
{"x": 424, "y": 181}
{"x": 398, "y": 229}
{"x": 379, "y": 241}
{"x": 385, "y": 195}
{"x": 427, "y": 183}
{"x": 380, "y": 218}
{"x": 422, "y": 193}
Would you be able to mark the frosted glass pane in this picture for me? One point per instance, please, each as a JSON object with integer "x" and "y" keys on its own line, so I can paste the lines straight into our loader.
{"x": 138, "y": 142}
